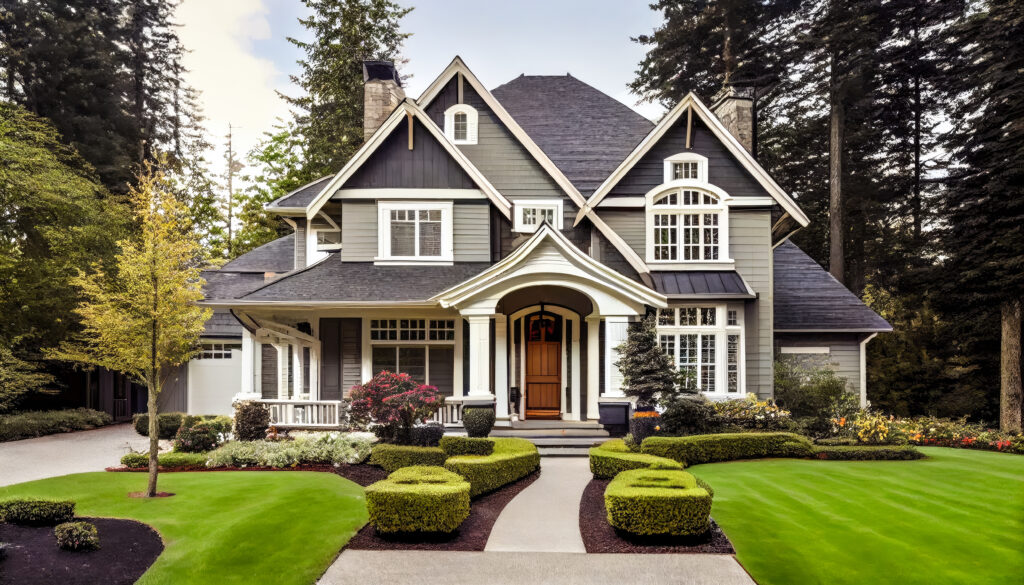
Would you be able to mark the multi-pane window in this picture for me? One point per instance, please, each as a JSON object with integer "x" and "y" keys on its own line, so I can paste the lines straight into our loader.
{"x": 411, "y": 231}
{"x": 422, "y": 348}
{"x": 707, "y": 363}
{"x": 686, "y": 225}
{"x": 412, "y": 329}
{"x": 666, "y": 317}
{"x": 733, "y": 364}
{"x": 218, "y": 351}
{"x": 684, "y": 170}
{"x": 732, "y": 318}
{"x": 531, "y": 213}
{"x": 442, "y": 330}
{"x": 328, "y": 239}
{"x": 705, "y": 344}
{"x": 460, "y": 126}
{"x": 535, "y": 215}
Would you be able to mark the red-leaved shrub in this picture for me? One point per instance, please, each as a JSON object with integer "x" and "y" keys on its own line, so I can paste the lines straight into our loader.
{"x": 395, "y": 403}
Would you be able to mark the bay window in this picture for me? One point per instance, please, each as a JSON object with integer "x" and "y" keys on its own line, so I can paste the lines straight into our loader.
{"x": 705, "y": 344}
{"x": 415, "y": 231}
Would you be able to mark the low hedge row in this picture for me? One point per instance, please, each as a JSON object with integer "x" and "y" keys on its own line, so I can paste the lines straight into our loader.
{"x": 173, "y": 460}
{"x": 867, "y": 453}
{"x": 168, "y": 423}
{"x": 511, "y": 460}
{"x": 698, "y": 449}
{"x": 658, "y": 502}
{"x": 418, "y": 499}
{"x": 394, "y": 457}
{"x": 37, "y": 512}
{"x": 612, "y": 457}
{"x": 25, "y": 425}
{"x": 456, "y": 445}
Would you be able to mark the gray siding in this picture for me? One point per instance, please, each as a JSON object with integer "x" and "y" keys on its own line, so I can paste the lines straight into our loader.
{"x": 629, "y": 224}
{"x": 723, "y": 169}
{"x": 173, "y": 396}
{"x": 427, "y": 165}
{"x": 843, "y": 356}
{"x": 300, "y": 243}
{"x": 750, "y": 246}
{"x": 358, "y": 231}
{"x": 471, "y": 238}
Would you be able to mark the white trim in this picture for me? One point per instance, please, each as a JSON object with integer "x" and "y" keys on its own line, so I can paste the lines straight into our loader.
{"x": 687, "y": 157}
{"x": 864, "y": 370}
{"x": 721, "y": 330}
{"x": 691, "y": 101}
{"x": 384, "y": 209}
{"x": 400, "y": 113}
{"x": 417, "y": 193}
{"x": 458, "y": 66}
{"x": 622, "y": 202}
{"x": 519, "y": 205}
{"x": 805, "y": 350}
{"x": 472, "y": 123}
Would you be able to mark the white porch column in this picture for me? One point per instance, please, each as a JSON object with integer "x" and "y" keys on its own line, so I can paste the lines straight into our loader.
{"x": 615, "y": 331}
{"x": 479, "y": 355}
{"x": 297, "y": 371}
{"x": 594, "y": 372}
{"x": 314, "y": 372}
{"x": 574, "y": 389}
{"x": 282, "y": 371}
{"x": 458, "y": 386}
{"x": 248, "y": 364}
{"x": 501, "y": 366}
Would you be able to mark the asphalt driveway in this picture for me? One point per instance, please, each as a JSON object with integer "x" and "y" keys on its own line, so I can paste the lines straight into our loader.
{"x": 64, "y": 453}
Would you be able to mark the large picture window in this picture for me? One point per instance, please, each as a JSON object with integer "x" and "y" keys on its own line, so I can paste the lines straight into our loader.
{"x": 415, "y": 231}
{"x": 686, "y": 225}
{"x": 705, "y": 344}
{"x": 422, "y": 348}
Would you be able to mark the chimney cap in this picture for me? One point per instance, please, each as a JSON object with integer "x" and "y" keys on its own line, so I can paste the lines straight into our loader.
{"x": 379, "y": 69}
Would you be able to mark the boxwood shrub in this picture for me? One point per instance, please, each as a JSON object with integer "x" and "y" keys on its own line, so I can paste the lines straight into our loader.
{"x": 171, "y": 460}
{"x": 511, "y": 460}
{"x": 658, "y": 502}
{"x": 455, "y": 445}
{"x": 77, "y": 536}
{"x": 418, "y": 499}
{"x": 167, "y": 424}
{"x": 698, "y": 449}
{"x": 38, "y": 423}
{"x": 394, "y": 457}
{"x": 611, "y": 457}
{"x": 867, "y": 453}
{"x": 37, "y": 512}
{"x": 478, "y": 421}
{"x": 251, "y": 420}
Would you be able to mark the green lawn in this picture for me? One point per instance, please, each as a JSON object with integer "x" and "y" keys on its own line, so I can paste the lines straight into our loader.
{"x": 957, "y": 517}
{"x": 225, "y": 527}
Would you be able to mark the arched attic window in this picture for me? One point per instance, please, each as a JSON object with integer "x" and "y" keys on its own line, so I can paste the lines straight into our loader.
{"x": 460, "y": 124}
{"x": 687, "y": 224}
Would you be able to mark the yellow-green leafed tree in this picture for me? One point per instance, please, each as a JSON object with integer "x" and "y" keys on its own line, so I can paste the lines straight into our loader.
{"x": 140, "y": 317}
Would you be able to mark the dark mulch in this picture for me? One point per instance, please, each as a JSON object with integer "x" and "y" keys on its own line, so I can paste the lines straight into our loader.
{"x": 471, "y": 536}
{"x": 362, "y": 474}
{"x": 127, "y": 549}
{"x": 600, "y": 537}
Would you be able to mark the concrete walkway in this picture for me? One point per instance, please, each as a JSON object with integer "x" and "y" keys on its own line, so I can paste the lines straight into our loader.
{"x": 66, "y": 453}
{"x": 545, "y": 517}
{"x": 412, "y": 567}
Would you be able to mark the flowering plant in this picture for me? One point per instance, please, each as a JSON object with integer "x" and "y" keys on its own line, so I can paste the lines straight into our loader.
{"x": 872, "y": 427}
{"x": 751, "y": 413}
{"x": 395, "y": 403}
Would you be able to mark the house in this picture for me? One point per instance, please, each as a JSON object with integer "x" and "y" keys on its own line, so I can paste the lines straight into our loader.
{"x": 497, "y": 244}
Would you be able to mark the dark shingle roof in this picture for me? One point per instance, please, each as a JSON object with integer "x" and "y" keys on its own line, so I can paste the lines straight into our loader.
{"x": 222, "y": 324}
{"x": 584, "y": 131}
{"x": 334, "y": 280}
{"x": 684, "y": 283}
{"x": 276, "y": 256}
{"x": 230, "y": 285}
{"x": 808, "y": 298}
{"x": 302, "y": 196}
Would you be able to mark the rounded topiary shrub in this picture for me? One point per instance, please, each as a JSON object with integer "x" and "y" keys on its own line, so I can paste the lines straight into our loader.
{"x": 77, "y": 536}
{"x": 428, "y": 435}
{"x": 198, "y": 438}
{"x": 658, "y": 502}
{"x": 251, "y": 421}
{"x": 418, "y": 499}
{"x": 478, "y": 421}
{"x": 167, "y": 424}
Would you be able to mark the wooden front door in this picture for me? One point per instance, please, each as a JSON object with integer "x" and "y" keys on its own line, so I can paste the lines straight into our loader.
{"x": 543, "y": 366}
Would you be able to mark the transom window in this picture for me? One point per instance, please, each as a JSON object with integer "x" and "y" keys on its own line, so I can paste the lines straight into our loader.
{"x": 705, "y": 344}
{"x": 531, "y": 213}
{"x": 686, "y": 225}
{"x": 412, "y": 329}
{"x": 415, "y": 231}
{"x": 218, "y": 351}
{"x": 460, "y": 124}
{"x": 422, "y": 348}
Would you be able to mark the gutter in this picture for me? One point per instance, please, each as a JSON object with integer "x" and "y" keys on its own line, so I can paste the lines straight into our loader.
{"x": 864, "y": 370}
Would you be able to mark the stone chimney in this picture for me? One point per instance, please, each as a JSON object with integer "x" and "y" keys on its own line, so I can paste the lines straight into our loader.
{"x": 382, "y": 91}
{"x": 734, "y": 106}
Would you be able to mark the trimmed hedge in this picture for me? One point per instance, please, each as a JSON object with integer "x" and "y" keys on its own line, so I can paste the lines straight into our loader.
{"x": 25, "y": 425}
{"x": 478, "y": 421}
{"x": 658, "y": 502}
{"x": 511, "y": 460}
{"x": 37, "y": 512}
{"x": 698, "y": 449}
{"x": 867, "y": 453}
{"x": 251, "y": 420}
{"x": 455, "y": 445}
{"x": 77, "y": 536}
{"x": 418, "y": 499}
{"x": 171, "y": 460}
{"x": 612, "y": 457}
{"x": 394, "y": 457}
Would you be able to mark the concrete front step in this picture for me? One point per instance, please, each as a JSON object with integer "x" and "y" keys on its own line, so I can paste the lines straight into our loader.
{"x": 553, "y": 432}
{"x": 564, "y": 451}
{"x": 556, "y": 424}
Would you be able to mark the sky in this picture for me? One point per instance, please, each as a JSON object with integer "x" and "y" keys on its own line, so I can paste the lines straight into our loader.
{"x": 240, "y": 59}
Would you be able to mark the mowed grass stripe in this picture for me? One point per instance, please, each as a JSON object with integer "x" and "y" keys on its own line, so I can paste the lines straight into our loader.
{"x": 957, "y": 517}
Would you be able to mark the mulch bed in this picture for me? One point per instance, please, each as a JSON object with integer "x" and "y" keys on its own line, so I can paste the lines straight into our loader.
{"x": 471, "y": 536}
{"x": 600, "y": 537}
{"x": 127, "y": 549}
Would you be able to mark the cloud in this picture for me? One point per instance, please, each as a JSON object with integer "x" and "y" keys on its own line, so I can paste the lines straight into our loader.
{"x": 237, "y": 86}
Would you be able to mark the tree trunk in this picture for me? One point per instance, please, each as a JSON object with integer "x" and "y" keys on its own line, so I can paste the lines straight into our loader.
{"x": 837, "y": 115}
{"x": 1010, "y": 399}
{"x": 153, "y": 387}
{"x": 917, "y": 206}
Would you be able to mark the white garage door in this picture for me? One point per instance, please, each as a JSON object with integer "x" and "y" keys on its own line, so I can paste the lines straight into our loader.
{"x": 214, "y": 377}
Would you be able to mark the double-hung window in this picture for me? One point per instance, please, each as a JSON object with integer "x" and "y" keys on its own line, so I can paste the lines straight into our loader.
{"x": 415, "y": 231}
{"x": 705, "y": 344}
{"x": 460, "y": 124}
{"x": 686, "y": 225}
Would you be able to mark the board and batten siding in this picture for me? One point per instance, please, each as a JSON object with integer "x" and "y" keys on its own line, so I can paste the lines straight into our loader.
{"x": 750, "y": 246}
{"x": 341, "y": 355}
{"x": 843, "y": 352}
{"x": 471, "y": 231}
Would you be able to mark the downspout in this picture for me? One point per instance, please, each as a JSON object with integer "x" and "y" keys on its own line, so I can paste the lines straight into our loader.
{"x": 864, "y": 370}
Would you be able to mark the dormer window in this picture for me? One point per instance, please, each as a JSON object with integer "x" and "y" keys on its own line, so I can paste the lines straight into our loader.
{"x": 684, "y": 170}
{"x": 686, "y": 166}
{"x": 531, "y": 213}
{"x": 686, "y": 225}
{"x": 415, "y": 231}
{"x": 328, "y": 240}
{"x": 460, "y": 124}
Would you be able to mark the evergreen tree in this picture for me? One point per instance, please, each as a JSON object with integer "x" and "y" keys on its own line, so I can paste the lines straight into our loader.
{"x": 330, "y": 111}
{"x": 647, "y": 371}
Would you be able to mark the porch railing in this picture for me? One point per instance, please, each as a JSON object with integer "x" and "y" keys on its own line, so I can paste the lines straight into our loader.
{"x": 305, "y": 413}
{"x": 449, "y": 414}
